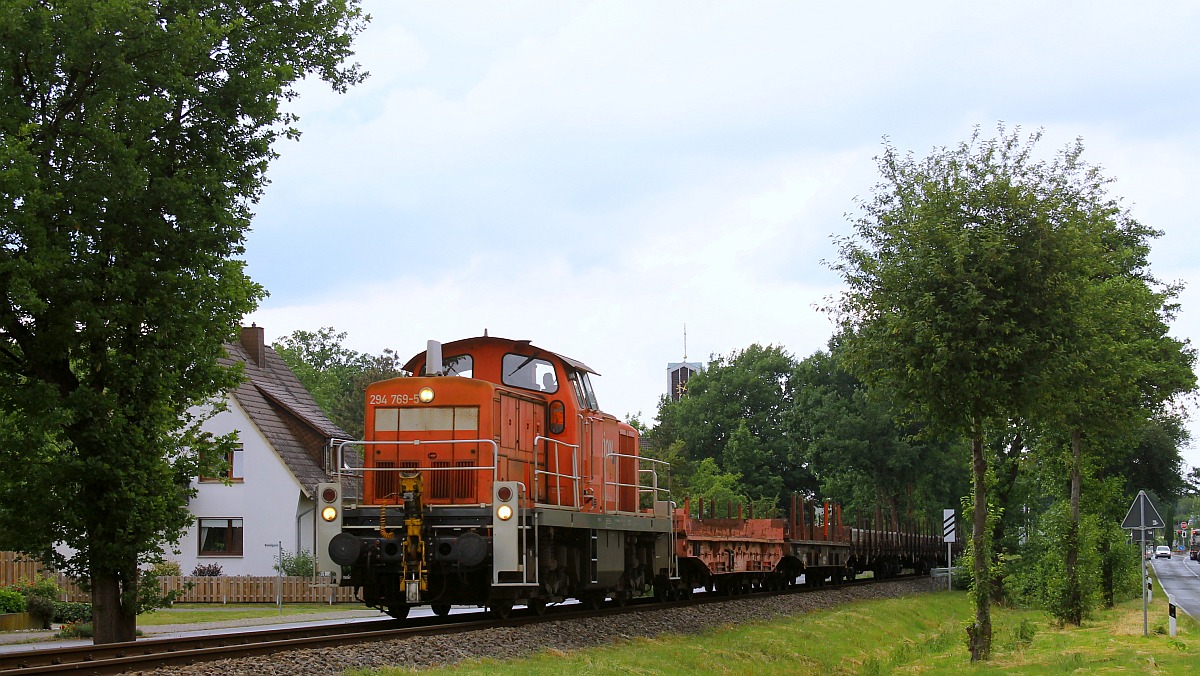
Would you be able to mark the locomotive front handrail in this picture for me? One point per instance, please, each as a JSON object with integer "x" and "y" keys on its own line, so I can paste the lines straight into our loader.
{"x": 341, "y": 450}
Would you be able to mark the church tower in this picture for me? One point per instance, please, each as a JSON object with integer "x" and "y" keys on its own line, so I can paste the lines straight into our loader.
{"x": 678, "y": 373}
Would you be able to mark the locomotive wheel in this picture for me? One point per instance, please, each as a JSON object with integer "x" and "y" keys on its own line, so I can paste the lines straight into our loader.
{"x": 441, "y": 609}
{"x": 398, "y": 612}
{"x": 662, "y": 589}
{"x": 502, "y": 609}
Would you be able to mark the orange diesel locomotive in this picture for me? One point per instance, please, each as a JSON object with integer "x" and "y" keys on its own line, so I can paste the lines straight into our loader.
{"x": 504, "y": 485}
{"x": 491, "y": 478}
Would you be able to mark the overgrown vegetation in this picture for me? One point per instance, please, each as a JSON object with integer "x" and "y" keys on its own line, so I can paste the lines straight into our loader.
{"x": 300, "y": 564}
{"x": 11, "y": 600}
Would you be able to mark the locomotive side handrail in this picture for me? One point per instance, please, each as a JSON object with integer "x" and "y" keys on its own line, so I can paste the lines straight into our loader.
{"x": 576, "y": 479}
{"x": 653, "y": 489}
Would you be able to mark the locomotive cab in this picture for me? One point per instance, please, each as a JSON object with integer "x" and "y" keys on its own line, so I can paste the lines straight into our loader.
{"x": 491, "y": 478}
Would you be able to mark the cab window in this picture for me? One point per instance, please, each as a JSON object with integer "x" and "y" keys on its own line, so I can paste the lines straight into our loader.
{"x": 588, "y": 391}
{"x": 584, "y": 394}
{"x": 528, "y": 373}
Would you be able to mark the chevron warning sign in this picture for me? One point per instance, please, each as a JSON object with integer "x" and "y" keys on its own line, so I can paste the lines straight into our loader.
{"x": 948, "y": 525}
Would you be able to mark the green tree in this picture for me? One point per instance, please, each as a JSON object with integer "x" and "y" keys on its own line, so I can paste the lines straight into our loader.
{"x": 959, "y": 279}
{"x": 336, "y": 376}
{"x": 735, "y": 413}
{"x": 863, "y": 457}
{"x": 1116, "y": 361}
{"x": 721, "y": 491}
{"x": 134, "y": 138}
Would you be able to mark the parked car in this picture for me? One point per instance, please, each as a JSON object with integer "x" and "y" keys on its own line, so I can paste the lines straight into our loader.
{"x": 1162, "y": 551}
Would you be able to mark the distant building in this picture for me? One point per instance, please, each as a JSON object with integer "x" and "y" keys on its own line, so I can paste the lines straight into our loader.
{"x": 678, "y": 374}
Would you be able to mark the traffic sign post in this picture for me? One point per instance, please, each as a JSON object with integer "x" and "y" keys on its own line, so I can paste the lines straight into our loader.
{"x": 1143, "y": 516}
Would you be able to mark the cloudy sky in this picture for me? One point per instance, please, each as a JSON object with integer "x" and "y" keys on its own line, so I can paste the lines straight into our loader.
{"x": 592, "y": 176}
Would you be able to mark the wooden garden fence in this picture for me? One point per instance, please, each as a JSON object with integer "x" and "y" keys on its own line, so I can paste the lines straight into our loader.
{"x": 196, "y": 589}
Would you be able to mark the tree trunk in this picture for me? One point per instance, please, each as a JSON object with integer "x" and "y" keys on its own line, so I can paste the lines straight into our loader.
{"x": 114, "y": 619}
{"x": 979, "y": 634}
{"x": 1074, "y": 600}
{"x": 1006, "y": 470}
{"x": 1107, "y": 582}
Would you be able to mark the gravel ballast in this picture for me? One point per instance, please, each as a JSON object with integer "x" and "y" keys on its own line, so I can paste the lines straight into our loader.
{"x": 565, "y": 635}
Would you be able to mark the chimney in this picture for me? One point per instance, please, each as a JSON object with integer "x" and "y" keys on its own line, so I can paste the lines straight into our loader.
{"x": 254, "y": 341}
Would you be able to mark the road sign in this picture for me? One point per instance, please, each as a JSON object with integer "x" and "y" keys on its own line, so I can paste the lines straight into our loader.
{"x": 948, "y": 525}
{"x": 1142, "y": 514}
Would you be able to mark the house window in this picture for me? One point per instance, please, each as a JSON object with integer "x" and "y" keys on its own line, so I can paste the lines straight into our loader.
{"x": 220, "y": 537}
{"x": 233, "y": 467}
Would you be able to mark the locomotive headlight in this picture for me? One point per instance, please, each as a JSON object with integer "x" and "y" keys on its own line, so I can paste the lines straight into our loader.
{"x": 329, "y": 513}
{"x": 425, "y": 395}
{"x": 504, "y": 512}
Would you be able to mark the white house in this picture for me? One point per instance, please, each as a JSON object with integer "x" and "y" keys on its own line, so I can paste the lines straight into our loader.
{"x": 286, "y": 443}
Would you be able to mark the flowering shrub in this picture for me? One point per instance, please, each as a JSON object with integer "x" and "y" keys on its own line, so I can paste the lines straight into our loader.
{"x": 76, "y": 630}
{"x": 207, "y": 570}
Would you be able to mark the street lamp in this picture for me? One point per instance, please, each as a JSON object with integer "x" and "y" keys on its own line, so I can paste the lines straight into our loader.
{"x": 279, "y": 585}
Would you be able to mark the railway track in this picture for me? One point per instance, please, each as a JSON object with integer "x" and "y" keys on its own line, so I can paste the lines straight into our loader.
{"x": 148, "y": 654}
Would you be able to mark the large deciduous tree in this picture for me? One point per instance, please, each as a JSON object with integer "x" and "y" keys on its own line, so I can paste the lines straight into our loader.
{"x": 962, "y": 278}
{"x": 134, "y": 137}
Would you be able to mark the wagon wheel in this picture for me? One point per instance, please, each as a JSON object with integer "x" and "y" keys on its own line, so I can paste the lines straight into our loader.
{"x": 441, "y": 609}
{"x": 502, "y": 609}
{"x": 398, "y": 612}
{"x": 593, "y": 600}
{"x": 538, "y": 606}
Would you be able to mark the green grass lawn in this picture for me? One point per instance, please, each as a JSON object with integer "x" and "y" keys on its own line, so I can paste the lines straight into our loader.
{"x": 921, "y": 634}
{"x": 192, "y": 613}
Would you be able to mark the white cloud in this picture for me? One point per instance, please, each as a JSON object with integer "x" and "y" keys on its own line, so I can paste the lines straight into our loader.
{"x": 592, "y": 175}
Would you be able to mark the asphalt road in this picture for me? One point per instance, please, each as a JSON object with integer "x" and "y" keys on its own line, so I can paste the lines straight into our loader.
{"x": 1180, "y": 577}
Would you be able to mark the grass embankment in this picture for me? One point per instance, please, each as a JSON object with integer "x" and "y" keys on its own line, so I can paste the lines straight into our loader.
{"x": 195, "y": 613}
{"x": 919, "y": 634}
